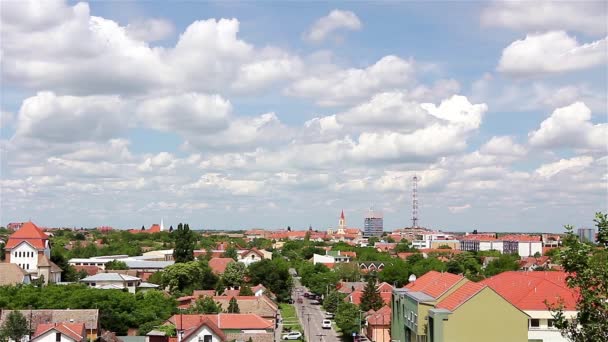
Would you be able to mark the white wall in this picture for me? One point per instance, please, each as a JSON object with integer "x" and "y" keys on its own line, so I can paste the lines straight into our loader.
{"x": 324, "y": 259}
{"x": 28, "y": 263}
{"x": 201, "y": 335}
{"x": 49, "y": 336}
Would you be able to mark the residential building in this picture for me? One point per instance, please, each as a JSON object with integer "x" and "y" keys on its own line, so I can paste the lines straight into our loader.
{"x": 60, "y": 332}
{"x": 523, "y": 245}
{"x": 89, "y": 317}
{"x": 238, "y": 327}
{"x": 12, "y": 274}
{"x": 443, "y": 307}
{"x": 528, "y": 291}
{"x": 586, "y": 235}
{"x": 116, "y": 281}
{"x": 218, "y": 265}
{"x": 330, "y": 258}
{"x": 378, "y": 324}
{"x": 248, "y": 257}
{"x": 29, "y": 247}
{"x": 373, "y": 224}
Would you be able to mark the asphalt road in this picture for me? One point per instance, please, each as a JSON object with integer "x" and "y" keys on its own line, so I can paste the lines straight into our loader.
{"x": 311, "y": 317}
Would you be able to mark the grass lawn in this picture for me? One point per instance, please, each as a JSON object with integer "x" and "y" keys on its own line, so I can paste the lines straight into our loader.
{"x": 290, "y": 319}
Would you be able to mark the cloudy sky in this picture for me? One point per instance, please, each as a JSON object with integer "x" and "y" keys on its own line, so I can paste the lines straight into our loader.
{"x": 245, "y": 114}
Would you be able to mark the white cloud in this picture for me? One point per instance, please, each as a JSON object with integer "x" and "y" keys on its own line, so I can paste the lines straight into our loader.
{"x": 335, "y": 20}
{"x": 575, "y": 164}
{"x": 352, "y": 85}
{"x": 503, "y": 146}
{"x": 551, "y": 52}
{"x": 65, "y": 119}
{"x": 459, "y": 208}
{"x": 150, "y": 30}
{"x": 187, "y": 113}
{"x": 582, "y": 16}
{"x": 570, "y": 127}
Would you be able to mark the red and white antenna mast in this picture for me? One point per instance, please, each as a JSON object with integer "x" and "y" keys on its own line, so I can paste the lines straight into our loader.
{"x": 415, "y": 201}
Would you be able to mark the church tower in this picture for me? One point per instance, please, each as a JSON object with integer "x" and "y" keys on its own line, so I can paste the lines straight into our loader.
{"x": 341, "y": 223}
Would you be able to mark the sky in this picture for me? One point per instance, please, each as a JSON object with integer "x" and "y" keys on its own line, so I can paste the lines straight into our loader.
{"x": 234, "y": 115}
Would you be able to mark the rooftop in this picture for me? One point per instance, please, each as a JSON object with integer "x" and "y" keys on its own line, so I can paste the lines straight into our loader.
{"x": 434, "y": 283}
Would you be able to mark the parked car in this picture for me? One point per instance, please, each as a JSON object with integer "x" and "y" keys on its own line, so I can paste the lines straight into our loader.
{"x": 329, "y": 315}
{"x": 306, "y": 295}
{"x": 315, "y": 302}
{"x": 326, "y": 324}
{"x": 294, "y": 335}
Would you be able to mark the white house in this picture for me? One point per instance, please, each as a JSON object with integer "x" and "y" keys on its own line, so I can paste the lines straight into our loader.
{"x": 60, "y": 332}
{"x": 114, "y": 281}
{"x": 29, "y": 248}
{"x": 248, "y": 257}
{"x": 205, "y": 331}
{"x": 322, "y": 259}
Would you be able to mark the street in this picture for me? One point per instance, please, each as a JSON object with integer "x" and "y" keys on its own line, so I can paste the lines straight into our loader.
{"x": 311, "y": 316}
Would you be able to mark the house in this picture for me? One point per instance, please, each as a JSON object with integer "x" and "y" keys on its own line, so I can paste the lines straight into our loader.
{"x": 238, "y": 327}
{"x": 116, "y": 281}
{"x": 60, "y": 332}
{"x": 528, "y": 291}
{"x": 218, "y": 265}
{"x": 261, "y": 306}
{"x": 384, "y": 288}
{"x": 444, "y": 307}
{"x": 378, "y": 324}
{"x": 532, "y": 263}
{"x": 89, "y": 317}
{"x": 253, "y": 255}
{"x": 371, "y": 266}
{"x": 204, "y": 331}
{"x": 258, "y": 290}
{"x": 29, "y": 247}
{"x": 12, "y": 274}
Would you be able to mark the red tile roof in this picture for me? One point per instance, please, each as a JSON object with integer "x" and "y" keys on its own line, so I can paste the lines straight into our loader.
{"x": 434, "y": 283}
{"x": 231, "y": 293}
{"x": 520, "y": 237}
{"x": 218, "y": 265}
{"x": 529, "y": 290}
{"x": 203, "y": 293}
{"x": 29, "y": 233}
{"x": 75, "y": 331}
{"x": 381, "y": 317}
{"x": 91, "y": 270}
{"x": 223, "y": 321}
{"x": 205, "y": 322}
{"x": 460, "y": 296}
{"x": 355, "y": 297}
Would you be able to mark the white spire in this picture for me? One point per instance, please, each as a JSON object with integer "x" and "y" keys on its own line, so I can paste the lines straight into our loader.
{"x": 162, "y": 226}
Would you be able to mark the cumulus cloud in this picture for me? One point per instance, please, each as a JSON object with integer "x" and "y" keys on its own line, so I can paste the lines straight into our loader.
{"x": 503, "y": 146}
{"x": 66, "y": 50}
{"x": 551, "y": 52}
{"x": 335, "y": 20}
{"x": 573, "y": 164}
{"x": 348, "y": 85}
{"x": 583, "y": 16}
{"x": 570, "y": 127}
{"x": 150, "y": 30}
{"x": 459, "y": 208}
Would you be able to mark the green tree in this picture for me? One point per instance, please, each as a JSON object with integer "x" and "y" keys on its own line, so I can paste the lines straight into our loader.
{"x": 185, "y": 241}
{"x": 587, "y": 272}
{"x": 233, "y": 306}
{"x": 505, "y": 262}
{"x": 274, "y": 275}
{"x": 348, "y": 318}
{"x": 206, "y": 305}
{"x": 371, "y": 299}
{"x": 333, "y": 299}
{"x": 2, "y": 252}
{"x": 602, "y": 229}
{"x": 233, "y": 275}
{"x": 245, "y": 290}
{"x": 231, "y": 252}
{"x": 425, "y": 265}
{"x": 467, "y": 264}
{"x": 395, "y": 272}
{"x": 116, "y": 265}
{"x": 181, "y": 277}
{"x": 15, "y": 327}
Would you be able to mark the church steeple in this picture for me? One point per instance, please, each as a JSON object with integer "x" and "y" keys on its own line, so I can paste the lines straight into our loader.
{"x": 342, "y": 222}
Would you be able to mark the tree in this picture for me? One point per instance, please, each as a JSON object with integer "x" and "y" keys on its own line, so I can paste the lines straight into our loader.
{"x": 231, "y": 252}
{"x": 333, "y": 299}
{"x": 15, "y": 327}
{"x": 371, "y": 299}
{"x": 587, "y": 272}
{"x": 184, "y": 244}
{"x": 602, "y": 228}
{"x": 274, "y": 275}
{"x": 2, "y": 252}
{"x": 395, "y": 272}
{"x": 233, "y": 275}
{"x": 245, "y": 290}
{"x": 233, "y": 306}
{"x": 505, "y": 262}
{"x": 348, "y": 318}
{"x": 116, "y": 265}
{"x": 206, "y": 305}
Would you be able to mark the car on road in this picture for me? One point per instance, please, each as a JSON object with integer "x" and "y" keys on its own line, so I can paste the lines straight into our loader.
{"x": 329, "y": 315}
{"x": 294, "y": 335}
{"x": 326, "y": 324}
{"x": 306, "y": 295}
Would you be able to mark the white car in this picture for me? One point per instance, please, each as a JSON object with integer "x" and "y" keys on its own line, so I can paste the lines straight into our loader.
{"x": 294, "y": 335}
{"x": 329, "y": 315}
{"x": 326, "y": 324}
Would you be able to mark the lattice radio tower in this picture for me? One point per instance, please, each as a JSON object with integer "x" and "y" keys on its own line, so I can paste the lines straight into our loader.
{"x": 415, "y": 201}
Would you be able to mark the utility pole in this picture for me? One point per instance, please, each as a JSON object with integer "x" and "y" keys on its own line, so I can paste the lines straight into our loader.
{"x": 308, "y": 327}
{"x": 321, "y": 337}
{"x": 415, "y": 201}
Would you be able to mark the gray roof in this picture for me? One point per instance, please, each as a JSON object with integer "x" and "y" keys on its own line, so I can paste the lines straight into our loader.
{"x": 132, "y": 338}
{"x": 148, "y": 285}
{"x": 110, "y": 287}
{"x": 419, "y": 296}
{"x": 148, "y": 264}
{"x": 109, "y": 277}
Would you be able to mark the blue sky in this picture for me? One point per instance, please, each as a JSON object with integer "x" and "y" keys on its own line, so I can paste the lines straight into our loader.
{"x": 241, "y": 114}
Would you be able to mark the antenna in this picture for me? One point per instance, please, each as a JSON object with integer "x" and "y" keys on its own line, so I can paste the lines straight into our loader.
{"x": 415, "y": 201}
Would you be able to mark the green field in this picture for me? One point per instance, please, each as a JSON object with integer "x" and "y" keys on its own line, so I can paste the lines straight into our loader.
{"x": 290, "y": 319}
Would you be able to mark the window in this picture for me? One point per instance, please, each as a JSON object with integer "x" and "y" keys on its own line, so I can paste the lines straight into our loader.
{"x": 92, "y": 284}
{"x": 534, "y": 323}
{"x": 58, "y": 337}
{"x": 207, "y": 338}
{"x": 550, "y": 323}
{"x": 129, "y": 284}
